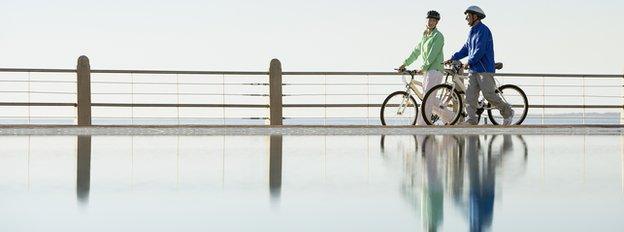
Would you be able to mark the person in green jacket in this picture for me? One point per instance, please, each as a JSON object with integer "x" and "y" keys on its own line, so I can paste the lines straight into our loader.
{"x": 430, "y": 49}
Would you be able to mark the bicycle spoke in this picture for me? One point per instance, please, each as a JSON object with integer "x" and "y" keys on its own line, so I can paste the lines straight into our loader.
{"x": 441, "y": 106}
{"x": 513, "y": 96}
{"x": 399, "y": 109}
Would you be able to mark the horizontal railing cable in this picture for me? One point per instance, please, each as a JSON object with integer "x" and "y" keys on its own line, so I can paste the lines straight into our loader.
{"x": 113, "y": 71}
{"x": 167, "y": 117}
{"x": 37, "y": 104}
{"x": 181, "y": 83}
{"x": 156, "y": 105}
{"x": 37, "y": 92}
{"x": 190, "y": 94}
{"x": 179, "y": 105}
{"x": 106, "y": 84}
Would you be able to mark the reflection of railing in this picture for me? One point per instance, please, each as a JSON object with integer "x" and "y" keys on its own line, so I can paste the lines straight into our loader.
{"x": 308, "y": 97}
{"x": 188, "y": 154}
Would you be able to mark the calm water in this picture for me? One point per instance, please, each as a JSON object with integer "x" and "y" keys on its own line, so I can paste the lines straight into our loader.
{"x": 312, "y": 183}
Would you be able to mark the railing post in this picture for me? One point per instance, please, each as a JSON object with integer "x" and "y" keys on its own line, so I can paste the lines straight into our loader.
{"x": 622, "y": 103}
{"x": 275, "y": 92}
{"x": 83, "y": 84}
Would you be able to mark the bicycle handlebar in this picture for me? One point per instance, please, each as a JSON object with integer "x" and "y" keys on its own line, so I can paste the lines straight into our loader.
{"x": 456, "y": 63}
{"x": 409, "y": 72}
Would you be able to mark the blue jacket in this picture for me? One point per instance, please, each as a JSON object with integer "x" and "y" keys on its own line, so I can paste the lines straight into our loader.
{"x": 479, "y": 49}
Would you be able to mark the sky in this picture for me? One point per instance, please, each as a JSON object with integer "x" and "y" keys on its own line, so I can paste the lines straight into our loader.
{"x": 556, "y": 36}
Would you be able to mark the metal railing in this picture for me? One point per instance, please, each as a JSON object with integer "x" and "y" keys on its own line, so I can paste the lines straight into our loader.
{"x": 551, "y": 96}
{"x": 278, "y": 97}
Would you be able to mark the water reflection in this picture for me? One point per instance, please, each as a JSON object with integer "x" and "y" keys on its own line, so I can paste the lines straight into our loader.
{"x": 482, "y": 181}
{"x": 460, "y": 168}
{"x": 275, "y": 167}
{"x": 83, "y": 170}
{"x": 437, "y": 182}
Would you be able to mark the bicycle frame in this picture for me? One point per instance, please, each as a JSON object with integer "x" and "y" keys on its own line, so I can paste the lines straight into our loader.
{"x": 458, "y": 84}
{"x": 411, "y": 85}
{"x": 450, "y": 97}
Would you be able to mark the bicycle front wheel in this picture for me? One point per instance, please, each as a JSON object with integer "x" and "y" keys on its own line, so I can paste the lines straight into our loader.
{"x": 441, "y": 106}
{"x": 398, "y": 109}
{"x": 515, "y": 97}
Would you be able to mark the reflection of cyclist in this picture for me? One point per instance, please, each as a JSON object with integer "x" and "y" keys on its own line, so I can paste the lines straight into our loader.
{"x": 450, "y": 160}
{"x": 481, "y": 177}
{"x": 430, "y": 49}
{"x": 436, "y": 152}
{"x": 480, "y": 52}
{"x": 433, "y": 188}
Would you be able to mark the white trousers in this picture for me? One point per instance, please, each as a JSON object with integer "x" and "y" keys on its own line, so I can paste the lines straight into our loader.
{"x": 431, "y": 78}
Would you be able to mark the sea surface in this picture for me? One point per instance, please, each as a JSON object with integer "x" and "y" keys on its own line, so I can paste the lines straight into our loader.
{"x": 312, "y": 183}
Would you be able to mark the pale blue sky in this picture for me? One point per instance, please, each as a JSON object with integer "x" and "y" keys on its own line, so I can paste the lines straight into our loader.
{"x": 568, "y": 36}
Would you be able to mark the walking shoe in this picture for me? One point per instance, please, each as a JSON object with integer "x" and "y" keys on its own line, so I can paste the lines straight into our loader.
{"x": 507, "y": 121}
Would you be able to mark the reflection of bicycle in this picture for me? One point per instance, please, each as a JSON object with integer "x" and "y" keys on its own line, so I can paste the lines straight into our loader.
{"x": 464, "y": 168}
{"x": 442, "y": 144}
{"x": 510, "y": 151}
{"x": 400, "y": 107}
{"x": 399, "y": 152}
{"x": 403, "y": 144}
{"x": 504, "y": 144}
{"x": 448, "y": 97}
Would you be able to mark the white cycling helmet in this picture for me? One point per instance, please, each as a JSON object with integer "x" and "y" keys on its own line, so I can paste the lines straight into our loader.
{"x": 475, "y": 10}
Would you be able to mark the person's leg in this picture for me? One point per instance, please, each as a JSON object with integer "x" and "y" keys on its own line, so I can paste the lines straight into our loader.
{"x": 488, "y": 88}
{"x": 431, "y": 79}
{"x": 472, "y": 98}
{"x": 419, "y": 120}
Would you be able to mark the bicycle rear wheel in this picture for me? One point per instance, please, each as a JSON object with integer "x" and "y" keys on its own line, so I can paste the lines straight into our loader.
{"x": 399, "y": 108}
{"x": 441, "y": 106}
{"x": 515, "y": 97}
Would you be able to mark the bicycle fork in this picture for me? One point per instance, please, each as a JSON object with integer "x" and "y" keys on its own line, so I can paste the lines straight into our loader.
{"x": 446, "y": 98}
{"x": 405, "y": 102}
{"x": 403, "y": 105}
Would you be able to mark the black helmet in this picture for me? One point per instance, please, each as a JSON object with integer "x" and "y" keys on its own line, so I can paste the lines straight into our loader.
{"x": 433, "y": 15}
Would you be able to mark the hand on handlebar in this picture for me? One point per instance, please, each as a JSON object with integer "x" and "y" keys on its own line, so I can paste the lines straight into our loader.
{"x": 410, "y": 72}
{"x": 400, "y": 68}
{"x": 455, "y": 62}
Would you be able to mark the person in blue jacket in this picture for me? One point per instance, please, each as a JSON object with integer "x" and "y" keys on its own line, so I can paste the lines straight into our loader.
{"x": 480, "y": 52}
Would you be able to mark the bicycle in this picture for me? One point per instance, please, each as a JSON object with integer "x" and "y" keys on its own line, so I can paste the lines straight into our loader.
{"x": 397, "y": 107}
{"x": 449, "y": 96}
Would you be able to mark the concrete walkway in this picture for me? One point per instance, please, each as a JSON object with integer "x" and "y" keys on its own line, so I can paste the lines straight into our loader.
{"x": 191, "y": 130}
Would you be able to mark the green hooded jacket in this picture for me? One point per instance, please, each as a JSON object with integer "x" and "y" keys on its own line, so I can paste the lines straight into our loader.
{"x": 430, "y": 48}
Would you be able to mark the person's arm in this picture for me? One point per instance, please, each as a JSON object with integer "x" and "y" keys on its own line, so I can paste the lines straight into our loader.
{"x": 463, "y": 52}
{"x": 412, "y": 56}
{"x": 481, "y": 38}
{"x": 435, "y": 50}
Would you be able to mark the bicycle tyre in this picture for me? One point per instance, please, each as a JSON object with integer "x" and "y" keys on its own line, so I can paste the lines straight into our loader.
{"x": 525, "y": 100}
{"x": 456, "y": 95}
{"x": 385, "y": 102}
